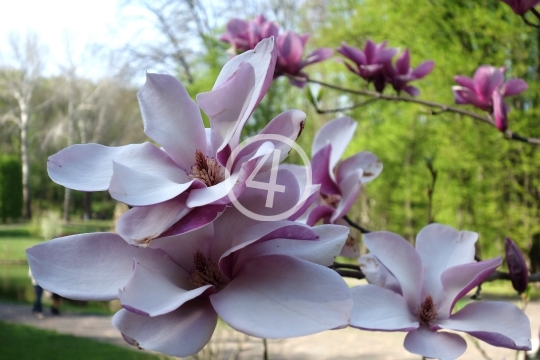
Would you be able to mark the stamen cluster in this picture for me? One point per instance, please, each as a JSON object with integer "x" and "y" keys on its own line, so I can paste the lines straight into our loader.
{"x": 206, "y": 169}
{"x": 427, "y": 312}
{"x": 206, "y": 272}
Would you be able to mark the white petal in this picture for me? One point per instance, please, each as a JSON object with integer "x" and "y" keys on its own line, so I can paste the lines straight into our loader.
{"x": 442, "y": 247}
{"x": 441, "y": 345}
{"x": 171, "y": 118}
{"x": 88, "y": 266}
{"x": 377, "y": 308}
{"x": 279, "y": 296}
{"x": 497, "y": 323}
{"x": 183, "y": 332}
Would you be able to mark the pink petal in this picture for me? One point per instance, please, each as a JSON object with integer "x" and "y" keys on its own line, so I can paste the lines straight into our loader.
{"x": 350, "y": 189}
{"x": 137, "y": 188}
{"x": 316, "y": 56}
{"x": 225, "y": 105}
{"x": 86, "y": 167}
{"x": 423, "y": 69}
{"x": 152, "y": 292}
{"x": 464, "y": 81}
{"x": 377, "y": 274}
{"x": 87, "y": 266}
{"x": 500, "y": 111}
{"x": 195, "y": 219}
{"x": 171, "y": 118}
{"x": 181, "y": 248}
{"x": 401, "y": 259}
{"x": 513, "y": 87}
{"x": 322, "y": 251}
{"x": 320, "y": 213}
{"x": 497, "y": 323}
{"x": 459, "y": 280}
{"x": 312, "y": 193}
{"x": 411, "y": 90}
{"x": 440, "y": 345}
{"x": 337, "y": 132}
{"x": 263, "y": 60}
{"x": 403, "y": 63}
{"x": 377, "y": 308}
{"x": 356, "y": 55}
{"x": 279, "y": 296}
{"x": 265, "y": 205}
{"x": 464, "y": 95}
{"x": 369, "y": 164}
{"x": 384, "y": 55}
{"x": 322, "y": 172}
{"x": 140, "y": 225}
{"x": 258, "y": 233}
{"x": 286, "y": 126}
{"x": 183, "y": 332}
{"x": 486, "y": 79}
{"x": 441, "y": 247}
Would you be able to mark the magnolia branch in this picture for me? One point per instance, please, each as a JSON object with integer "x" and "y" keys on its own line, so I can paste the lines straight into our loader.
{"x": 436, "y": 108}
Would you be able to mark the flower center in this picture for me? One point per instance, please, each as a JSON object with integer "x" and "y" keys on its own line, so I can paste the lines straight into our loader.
{"x": 427, "y": 312}
{"x": 206, "y": 272}
{"x": 331, "y": 200}
{"x": 206, "y": 170}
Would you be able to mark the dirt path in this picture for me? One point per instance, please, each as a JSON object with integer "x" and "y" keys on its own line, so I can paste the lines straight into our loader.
{"x": 347, "y": 344}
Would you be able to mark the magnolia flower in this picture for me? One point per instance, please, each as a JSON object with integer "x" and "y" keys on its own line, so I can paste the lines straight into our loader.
{"x": 400, "y": 75}
{"x": 265, "y": 279}
{"x": 245, "y": 35}
{"x": 338, "y": 186}
{"x": 517, "y": 267}
{"x": 369, "y": 63}
{"x": 290, "y": 51}
{"x": 487, "y": 90}
{"x": 520, "y": 7}
{"x": 189, "y": 171}
{"x": 415, "y": 290}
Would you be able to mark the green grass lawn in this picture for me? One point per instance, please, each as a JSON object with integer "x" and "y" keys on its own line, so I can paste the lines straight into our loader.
{"x": 22, "y": 342}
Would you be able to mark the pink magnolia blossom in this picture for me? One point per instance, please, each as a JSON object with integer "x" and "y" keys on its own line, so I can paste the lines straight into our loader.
{"x": 182, "y": 183}
{"x": 339, "y": 185}
{"x": 415, "y": 290}
{"x": 265, "y": 279}
{"x": 290, "y": 52}
{"x": 517, "y": 267}
{"x": 487, "y": 91}
{"x": 369, "y": 63}
{"x": 401, "y": 74}
{"x": 520, "y": 7}
{"x": 245, "y": 35}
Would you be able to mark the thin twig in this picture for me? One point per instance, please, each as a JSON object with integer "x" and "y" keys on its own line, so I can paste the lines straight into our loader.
{"x": 345, "y": 108}
{"x": 355, "y": 225}
{"x": 510, "y": 135}
{"x": 477, "y": 345}
{"x": 265, "y": 351}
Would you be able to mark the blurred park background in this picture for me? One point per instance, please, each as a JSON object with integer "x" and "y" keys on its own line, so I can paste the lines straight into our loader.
{"x": 81, "y": 90}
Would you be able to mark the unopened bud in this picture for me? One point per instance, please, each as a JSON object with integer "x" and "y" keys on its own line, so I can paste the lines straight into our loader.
{"x": 517, "y": 267}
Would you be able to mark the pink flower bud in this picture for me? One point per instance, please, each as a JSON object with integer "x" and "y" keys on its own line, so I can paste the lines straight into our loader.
{"x": 517, "y": 268}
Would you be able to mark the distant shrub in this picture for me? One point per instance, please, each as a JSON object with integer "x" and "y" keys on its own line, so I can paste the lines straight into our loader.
{"x": 11, "y": 198}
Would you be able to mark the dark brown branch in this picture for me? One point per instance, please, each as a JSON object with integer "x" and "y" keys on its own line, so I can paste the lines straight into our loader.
{"x": 351, "y": 273}
{"x": 441, "y": 108}
{"x": 337, "y": 265}
{"x": 355, "y": 225}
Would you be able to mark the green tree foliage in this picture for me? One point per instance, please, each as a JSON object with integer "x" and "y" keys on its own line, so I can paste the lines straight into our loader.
{"x": 11, "y": 200}
{"x": 485, "y": 183}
